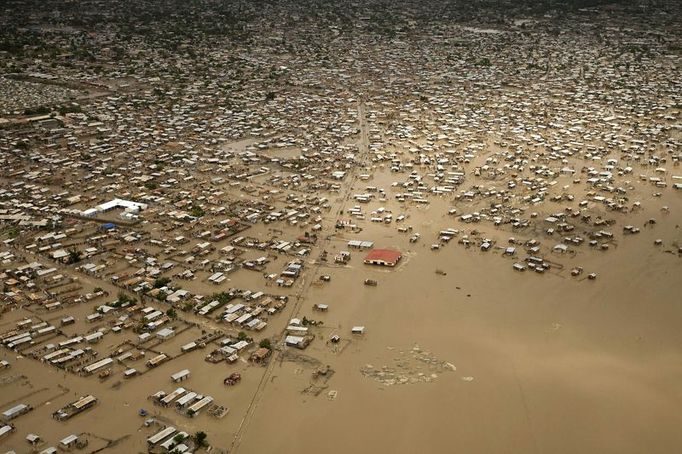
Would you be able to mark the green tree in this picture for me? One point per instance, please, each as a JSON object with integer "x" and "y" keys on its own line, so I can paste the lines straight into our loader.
{"x": 222, "y": 297}
{"x": 179, "y": 438}
{"x": 73, "y": 257}
{"x": 265, "y": 343}
{"x": 123, "y": 298}
{"x": 161, "y": 282}
{"x": 200, "y": 439}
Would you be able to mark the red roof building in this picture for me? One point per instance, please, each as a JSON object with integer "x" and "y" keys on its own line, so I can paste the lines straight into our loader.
{"x": 383, "y": 257}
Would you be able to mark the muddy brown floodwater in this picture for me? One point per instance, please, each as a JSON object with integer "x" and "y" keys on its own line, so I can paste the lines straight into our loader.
{"x": 544, "y": 363}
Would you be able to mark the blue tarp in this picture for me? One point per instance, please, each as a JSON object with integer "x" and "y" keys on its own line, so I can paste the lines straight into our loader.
{"x": 108, "y": 226}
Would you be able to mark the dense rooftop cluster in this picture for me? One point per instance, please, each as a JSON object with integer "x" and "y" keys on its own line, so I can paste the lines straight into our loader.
{"x": 183, "y": 168}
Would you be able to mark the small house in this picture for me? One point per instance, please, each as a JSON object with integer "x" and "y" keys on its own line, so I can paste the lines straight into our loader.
{"x": 383, "y": 257}
{"x": 358, "y": 330}
{"x": 180, "y": 376}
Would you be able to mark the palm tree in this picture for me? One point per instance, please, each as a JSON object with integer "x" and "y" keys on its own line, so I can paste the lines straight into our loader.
{"x": 74, "y": 256}
{"x": 200, "y": 439}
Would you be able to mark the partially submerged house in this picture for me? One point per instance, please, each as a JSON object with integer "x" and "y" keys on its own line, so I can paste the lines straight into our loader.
{"x": 383, "y": 257}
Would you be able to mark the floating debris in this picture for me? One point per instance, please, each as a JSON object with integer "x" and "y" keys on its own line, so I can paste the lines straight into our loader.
{"x": 411, "y": 367}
